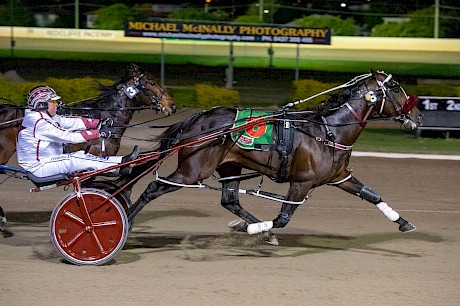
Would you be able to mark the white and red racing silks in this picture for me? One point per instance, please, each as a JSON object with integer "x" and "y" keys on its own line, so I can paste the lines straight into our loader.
{"x": 42, "y": 136}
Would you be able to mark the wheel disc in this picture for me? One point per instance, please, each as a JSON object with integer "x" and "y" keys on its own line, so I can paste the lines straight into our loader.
{"x": 92, "y": 242}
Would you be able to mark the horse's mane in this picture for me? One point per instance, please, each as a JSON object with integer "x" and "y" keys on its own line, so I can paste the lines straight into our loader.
{"x": 104, "y": 99}
{"x": 329, "y": 106}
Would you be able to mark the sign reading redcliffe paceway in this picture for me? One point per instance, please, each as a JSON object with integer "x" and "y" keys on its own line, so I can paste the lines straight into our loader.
{"x": 227, "y": 32}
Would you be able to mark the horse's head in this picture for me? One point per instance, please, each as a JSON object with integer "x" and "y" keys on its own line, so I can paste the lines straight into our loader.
{"x": 143, "y": 87}
{"x": 390, "y": 99}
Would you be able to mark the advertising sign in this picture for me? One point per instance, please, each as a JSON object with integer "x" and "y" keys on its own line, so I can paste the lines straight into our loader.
{"x": 227, "y": 32}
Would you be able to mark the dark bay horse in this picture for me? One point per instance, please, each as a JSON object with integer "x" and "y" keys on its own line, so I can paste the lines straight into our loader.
{"x": 10, "y": 118}
{"x": 136, "y": 90}
{"x": 321, "y": 141}
{"x": 10, "y": 122}
{"x": 117, "y": 103}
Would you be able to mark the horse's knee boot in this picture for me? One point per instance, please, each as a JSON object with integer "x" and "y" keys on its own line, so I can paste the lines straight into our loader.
{"x": 369, "y": 195}
{"x": 282, "y": 220}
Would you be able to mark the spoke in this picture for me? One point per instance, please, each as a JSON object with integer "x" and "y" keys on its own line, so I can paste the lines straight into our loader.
{"x": 96, "y": 240}
{"x": 74, "y": 217}
{"x": 75, "y": 239}
{"x": 105, "y": 223}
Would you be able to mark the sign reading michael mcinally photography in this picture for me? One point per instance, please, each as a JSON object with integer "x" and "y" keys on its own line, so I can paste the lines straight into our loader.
{"x": 227, "y": 32}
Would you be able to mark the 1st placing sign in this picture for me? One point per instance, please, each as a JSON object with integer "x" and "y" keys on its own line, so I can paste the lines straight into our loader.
{"x": 440, "y": 103}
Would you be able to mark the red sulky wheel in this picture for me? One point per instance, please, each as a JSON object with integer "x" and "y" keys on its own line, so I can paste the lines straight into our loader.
{"x": 92, "y": 242}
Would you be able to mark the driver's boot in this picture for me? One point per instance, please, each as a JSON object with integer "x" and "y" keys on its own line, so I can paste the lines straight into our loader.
{"x": 127, "y": 169}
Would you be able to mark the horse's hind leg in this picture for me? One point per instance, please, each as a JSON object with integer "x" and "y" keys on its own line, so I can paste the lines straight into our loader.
{"x": 185, "y": 174}
{"x": 153, "y": 191}
{"x": 230, "y": 201}
{"x": 355, "y": 187}
{"x": 2, "y": 220}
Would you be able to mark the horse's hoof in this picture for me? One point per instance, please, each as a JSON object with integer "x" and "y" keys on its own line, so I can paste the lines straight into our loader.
{"x": 271, "y": 239}
{"x": 407, "y": 227}
{"x": 238, "y": 225}
{"x": 2, "y": 223}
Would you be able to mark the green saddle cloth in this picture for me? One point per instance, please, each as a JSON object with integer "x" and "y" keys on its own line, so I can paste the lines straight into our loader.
{"x": 254, "y": 136}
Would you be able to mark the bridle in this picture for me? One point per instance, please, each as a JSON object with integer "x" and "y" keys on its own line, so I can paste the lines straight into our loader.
{"x": 130, "y": 89}
{"x": 386, "y": 92}
{"x": 139, "y": 84}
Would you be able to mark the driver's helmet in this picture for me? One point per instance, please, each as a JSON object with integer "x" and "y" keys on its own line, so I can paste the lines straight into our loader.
{"x": 41, "y": 94}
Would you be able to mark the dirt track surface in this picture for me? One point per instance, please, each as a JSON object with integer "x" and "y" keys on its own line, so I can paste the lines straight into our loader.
{"x": 337, "y": 250}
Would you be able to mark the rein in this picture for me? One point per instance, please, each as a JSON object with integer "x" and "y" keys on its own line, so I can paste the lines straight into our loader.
{"x": 134, "y": 108}
{"x": 350, "y": 83}
{"x": 11, "y": 121}
{"x": 361, "y": 122}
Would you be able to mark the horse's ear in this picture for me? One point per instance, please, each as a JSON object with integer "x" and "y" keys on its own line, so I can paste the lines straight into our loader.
{"x": 132, "y": 70}
{"x": 373, "y": 72}
{"x": 135, "y": 69}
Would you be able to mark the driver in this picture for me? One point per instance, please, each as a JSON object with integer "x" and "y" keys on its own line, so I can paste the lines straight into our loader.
{"x": 41, "y": 139}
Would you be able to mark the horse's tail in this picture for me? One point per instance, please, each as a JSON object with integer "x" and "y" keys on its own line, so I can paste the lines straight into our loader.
{"x": 173, "y": 135}
{"x": 183, "y": 131}
{"x": 169, "y": 137}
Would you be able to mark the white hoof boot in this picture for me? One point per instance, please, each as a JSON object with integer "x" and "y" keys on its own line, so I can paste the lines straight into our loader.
{"x": 256, "y": 228}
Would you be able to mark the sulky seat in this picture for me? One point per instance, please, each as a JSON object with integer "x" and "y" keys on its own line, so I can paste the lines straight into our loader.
{"x": 47, "y": 180}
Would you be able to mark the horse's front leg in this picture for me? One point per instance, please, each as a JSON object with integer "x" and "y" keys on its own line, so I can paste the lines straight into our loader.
{"x": 355, "y": 187}
{"x": 297, "y": 192}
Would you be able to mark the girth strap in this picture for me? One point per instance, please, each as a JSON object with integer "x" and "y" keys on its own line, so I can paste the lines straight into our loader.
{"x": 284, "y": 144}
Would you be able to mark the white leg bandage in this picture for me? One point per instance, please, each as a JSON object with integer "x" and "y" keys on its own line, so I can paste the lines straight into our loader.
{"x": 388, "y": 211}
{"x": 260, "y": 227}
